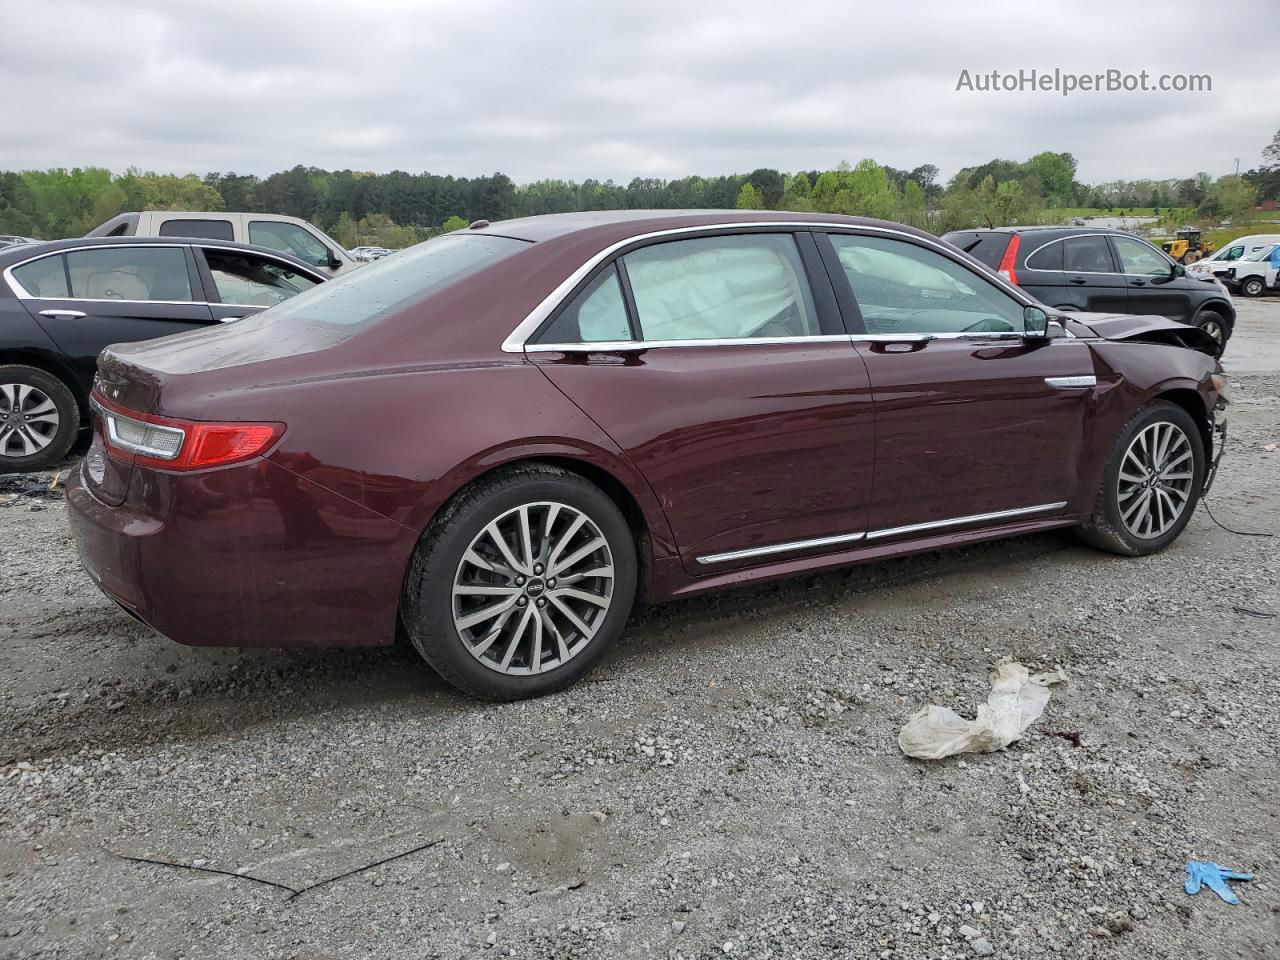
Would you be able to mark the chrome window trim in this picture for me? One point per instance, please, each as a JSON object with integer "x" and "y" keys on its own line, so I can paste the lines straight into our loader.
{"x": 608, "y": 346}
{"x": 1093, "y": 273}
{"x": 22, "y": 293}
{"x": 794, "y": 545}
{"x": 516, "y": 340}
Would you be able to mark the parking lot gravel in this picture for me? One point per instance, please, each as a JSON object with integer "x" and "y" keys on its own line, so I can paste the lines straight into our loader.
{"x": 728, "y": 784}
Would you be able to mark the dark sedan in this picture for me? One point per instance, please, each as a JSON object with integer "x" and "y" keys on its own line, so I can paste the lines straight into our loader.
{"x": 501, "y": 437}
{"x": 1099, "y": 270}
{"x": 62, "y": 302}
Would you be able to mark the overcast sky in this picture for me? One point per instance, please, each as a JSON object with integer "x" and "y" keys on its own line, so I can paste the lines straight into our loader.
{"x": 561, "y": 88}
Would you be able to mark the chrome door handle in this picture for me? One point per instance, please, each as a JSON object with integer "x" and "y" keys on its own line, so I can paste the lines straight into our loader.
{"x": 1072, "y": 383}
{"x": 69, "y": 314}
{"x": 229, "y": 319}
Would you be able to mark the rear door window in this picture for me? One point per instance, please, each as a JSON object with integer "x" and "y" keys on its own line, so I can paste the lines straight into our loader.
{"x": 598, "y": 314}
{"x": 722, "y": 288}
{"x": 45, "y": 278}
{"x": 1088, "y": 254}
{"x": 1048, "y": 257}
{"x": 204, "y": 229}
{"x": 130, "y": 273}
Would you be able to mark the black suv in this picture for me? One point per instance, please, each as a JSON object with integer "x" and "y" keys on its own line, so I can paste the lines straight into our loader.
{"x": 62, "y": 302}
{"x": 1100, "y": 271}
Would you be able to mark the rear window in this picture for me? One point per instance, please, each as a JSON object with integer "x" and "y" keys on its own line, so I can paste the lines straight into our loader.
{"x": 205, "y": 229}
{"x": 983, "y": 245}
{"x": 367, "y": 294}
{"x": 1047, "y": 257}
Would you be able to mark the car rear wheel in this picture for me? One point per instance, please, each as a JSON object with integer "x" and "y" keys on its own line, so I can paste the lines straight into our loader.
{"x": 1151, "y": 484}
{"x": 1252, "y": 286}
{"x": 521, "y": 584}
{"x": 39, "y": 418}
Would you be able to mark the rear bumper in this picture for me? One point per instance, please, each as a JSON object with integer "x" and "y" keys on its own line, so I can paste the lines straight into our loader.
{"x": 247, "y": 556}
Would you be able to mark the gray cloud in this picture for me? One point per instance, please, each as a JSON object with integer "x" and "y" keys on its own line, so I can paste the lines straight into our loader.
{"x": 573, "y": 89}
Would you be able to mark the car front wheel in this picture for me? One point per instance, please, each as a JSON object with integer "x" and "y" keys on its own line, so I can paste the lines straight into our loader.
{"x": 1215, "y": 325}
{"x": 521, "y": 584}
{"x": 38, "y": 419}
{"x": 1151, "y": 483}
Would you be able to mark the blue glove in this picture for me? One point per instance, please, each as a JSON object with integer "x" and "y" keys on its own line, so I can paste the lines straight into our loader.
{"x": 1215, "y": 878}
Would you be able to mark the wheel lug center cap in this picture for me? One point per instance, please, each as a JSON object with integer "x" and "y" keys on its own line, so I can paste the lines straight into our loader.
{"x": 535, "y": 587}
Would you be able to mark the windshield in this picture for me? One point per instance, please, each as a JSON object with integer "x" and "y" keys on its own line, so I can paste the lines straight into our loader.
{"x": 1262, "y": 253}
{"x": 364, "y": 296}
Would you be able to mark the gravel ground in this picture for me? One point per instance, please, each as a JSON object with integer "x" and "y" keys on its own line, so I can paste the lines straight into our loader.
{"x": 728, "y": 784}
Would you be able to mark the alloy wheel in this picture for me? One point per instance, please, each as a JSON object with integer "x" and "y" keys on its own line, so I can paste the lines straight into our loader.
{"x": 29, "y": 420}
{"x": 1154, "y": 486}
{"x": 1214, "y": 328}
{"x": 533, "y": 588}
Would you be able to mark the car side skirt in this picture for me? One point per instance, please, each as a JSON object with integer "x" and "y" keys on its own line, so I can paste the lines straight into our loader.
{"x": 670, "y": 584}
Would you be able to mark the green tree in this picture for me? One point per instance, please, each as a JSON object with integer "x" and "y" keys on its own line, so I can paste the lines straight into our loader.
{"x": 452, "y": 224}
{"x": 749, "y": 198}
{"x": 1234, "y": 196}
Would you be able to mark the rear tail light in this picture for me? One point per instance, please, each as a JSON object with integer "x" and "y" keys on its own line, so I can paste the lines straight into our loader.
{"x": 1009, "y": 261}
{"x": 171, "y": 444}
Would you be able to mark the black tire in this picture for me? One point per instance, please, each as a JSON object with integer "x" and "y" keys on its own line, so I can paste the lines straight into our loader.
{"x": 1253, "y": 287}
{"x": 427, "y": 599}
{"x": 1215, "y": 324}
{"x": 1105, "y": 528}
{"x": 68, "y": 425}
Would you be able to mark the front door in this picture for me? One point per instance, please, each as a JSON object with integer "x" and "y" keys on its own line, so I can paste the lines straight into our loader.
{"x": 974, "y": 423}
{"x": 88, "y": 299}
{"x": 1153, "y": 289}
{"x": 239, "y": 283}
{"x": 719, "y": 365}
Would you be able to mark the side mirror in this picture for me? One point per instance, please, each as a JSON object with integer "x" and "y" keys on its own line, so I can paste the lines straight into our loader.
{"x": 331, "y": 259}
{"x": 1035, "y": 322}
{"x": 1178, "y": 271}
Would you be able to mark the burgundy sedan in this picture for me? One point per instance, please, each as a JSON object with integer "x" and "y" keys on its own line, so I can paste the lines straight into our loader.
{"x": 500, "y": 438}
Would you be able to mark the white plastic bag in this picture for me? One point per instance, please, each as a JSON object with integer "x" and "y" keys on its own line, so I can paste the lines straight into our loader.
{"x": 1015, "y": 701}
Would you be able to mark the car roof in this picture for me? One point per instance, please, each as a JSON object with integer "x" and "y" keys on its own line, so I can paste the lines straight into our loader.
{"x": 28, "y": 251}
{"x": 638, "y": 222}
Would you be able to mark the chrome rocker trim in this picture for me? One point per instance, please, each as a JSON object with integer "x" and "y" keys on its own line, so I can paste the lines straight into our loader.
{"x": 817, "y": 542}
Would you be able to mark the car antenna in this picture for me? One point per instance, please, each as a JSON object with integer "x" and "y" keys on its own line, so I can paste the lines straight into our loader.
{"x": 990, "y": 225}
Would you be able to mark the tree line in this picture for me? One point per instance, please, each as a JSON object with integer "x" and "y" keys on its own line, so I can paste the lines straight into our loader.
{"x": 398, "y": 208}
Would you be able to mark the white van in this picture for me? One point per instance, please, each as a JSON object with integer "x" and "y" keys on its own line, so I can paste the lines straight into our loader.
{"x": 289, "y": 235}
{"x": 1228, "y": 253}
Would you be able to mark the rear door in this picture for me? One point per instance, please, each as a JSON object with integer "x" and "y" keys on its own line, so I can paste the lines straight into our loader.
{"x": 974, "y": 423}
{"x": 1093, "y": 281}
{"x": 1153, "y": 289}
{"x": 90, "y": 298}
{"x": 720, "y": 366}
{"x": 239, "y": 283}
